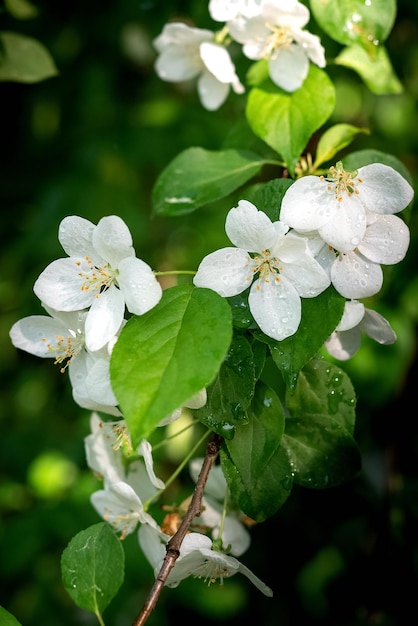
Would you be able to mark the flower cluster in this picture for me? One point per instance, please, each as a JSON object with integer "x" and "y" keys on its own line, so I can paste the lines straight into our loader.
{"x": 86, "y": 295}
{"x": 335, "y": 230}
{"x": 272, "y": 30}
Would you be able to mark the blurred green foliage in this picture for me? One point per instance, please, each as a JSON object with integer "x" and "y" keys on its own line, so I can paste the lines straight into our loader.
{"x": 91, "y": 141}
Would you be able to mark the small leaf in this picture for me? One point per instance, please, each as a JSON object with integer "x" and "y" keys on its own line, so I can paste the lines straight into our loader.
{"x": 164, "y": 357}
{"x": 24, "y": 59}
{"x": 21, "y": 9}
{"x": 196, "y": 177}
{"x": 286, "y": 121}
{"x": 355, "y": 21}
{"x": 375, "y": 69}
{"x": 7, "y": 619}
{"x": 232, "y": 391}
{"x": 255, "y": 465}
{"x": 335, "y": 139}
{"x": 92, "y": 567}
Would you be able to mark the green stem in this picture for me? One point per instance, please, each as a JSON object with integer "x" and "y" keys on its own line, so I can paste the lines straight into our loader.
{"x": 175, "y": 272}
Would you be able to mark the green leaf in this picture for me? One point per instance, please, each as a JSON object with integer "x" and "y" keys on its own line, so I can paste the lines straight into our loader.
{"x": 92, "y": 567}
{"x": 267, "y": 197}
{"x": 324, "y": 388}
{"x": 320, "y": 316}
{"x": 164, "y": 357}
{"x": 196, "y": 177}
{"x": 374, "y": 68}
{"x": 7, "y": 619}
{"x": 355, "y": 21}
{"x": 231, "y": 393}
{"x": 319, "y": 434}
{"x": 24, "y": 59}
{"x": 256, "y": 467}
{"x": 21, "y": 9}
{"x": 335, "y": 139}
{"x": 286, "y": 121}
{"x": 321, "y": 452}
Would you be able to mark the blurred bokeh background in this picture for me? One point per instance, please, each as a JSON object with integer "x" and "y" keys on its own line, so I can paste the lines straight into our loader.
{"x": 91, "y": 142}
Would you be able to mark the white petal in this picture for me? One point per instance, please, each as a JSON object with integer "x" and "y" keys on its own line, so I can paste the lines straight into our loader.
{"x": 178, "y": 64}
{"x": 308, "y": 204}
{"x": 352, "y": 316}
{"x": 75, "y": 234}
{"x": 112, "y": 240}
{"x": 299, "y": 266}
{"x": 145, "y": 450}
{"x": 377, "y": 327}
{"x": 383, "y": 189}
{"x": 343, "y": 345}
{"x": 226, "y": 271}
{"x": 98, "y": 384}
{"x": 198, "y": 400}
{"x": 60, "y": 285}
{"x": 255, "y": 580}
{"x": 386, "y": 241}
{"x": 289, "y": 67}
{"x": 37, "y": 334}
{"x": 311, "y": 45}
{"x": 285, "y": 13}
{"x": 236, "y": 535}
{"x": 101, "y": 455}
{"x": 276, "y": 308}
{"x": 250, "y": 229}
{"x": 104, "y": 318}
{"x": 152, "y": 542}
{"x": 354, "y": 277}
{"x": 347, "y": 226}
{"x": 139, "y": 285}
{"x": 218, "y": 61}
{"x": 212, "y": 92}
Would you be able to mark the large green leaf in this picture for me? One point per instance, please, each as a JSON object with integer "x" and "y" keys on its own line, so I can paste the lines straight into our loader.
{"x": 92, "y": 567}
{"x": 320, "y": 316}
{"x": 374, "y": 67}
{"x": 286, "y": 121}
{"x": 355, "y": 21}
{"x": 196, "y": 177}
{"x": 7, "y": 619}
{"x": 256, "y": 467}
{"x": 165, "y": 356}
{"x": 24, "y": 60}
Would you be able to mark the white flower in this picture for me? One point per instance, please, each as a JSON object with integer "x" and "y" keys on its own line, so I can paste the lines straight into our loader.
{"x": 228, "y": 528}
{"x": 344, "y": 342}
{"x": 100, "y": 272}
{"x": 277, "y": 34}
{"x": 62, "y": 337}
{"x": 196, "y": 559}
{"x": 280, "y": 261}
{"x": 185, "y": 53}
{"x": 225, "y": 10}
{"x": 337, "y": 205}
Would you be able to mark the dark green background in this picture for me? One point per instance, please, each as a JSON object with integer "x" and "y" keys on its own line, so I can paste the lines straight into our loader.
{"x": 91, "y": 142}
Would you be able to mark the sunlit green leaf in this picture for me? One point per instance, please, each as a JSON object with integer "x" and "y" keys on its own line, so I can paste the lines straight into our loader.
{"x": 24, "y": 59}
{"x": 164, "y": 357}
{"x": 375, "y": 69}
{"x": 21, "y": 9}
{"x": 7, "y": 619}
{"x": 256, "y": 467}
{"x": 92, "y": 567}
{"x": 355, "y": 21}
{"x": 335, "y": 139}
{"x": 196, "y": 177}
{"x": 286, "y": 121}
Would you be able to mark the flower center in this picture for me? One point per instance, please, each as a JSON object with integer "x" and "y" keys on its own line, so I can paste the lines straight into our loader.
{"x": 66, "y": 348}
{"x": 281, "y": 36}
{"x": 211, "y": 570}
{"x": 342, "y": 182}
{"x": 97, "y": 278}
{"x": 266, "y": 266}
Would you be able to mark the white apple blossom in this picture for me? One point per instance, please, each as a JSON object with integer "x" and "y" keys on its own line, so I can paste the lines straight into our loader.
{"x": 101, "y": 273}
{"x": 229, "y": 527}
{"x": 61, "y": 336}
{"x": 195, "y": 402}
{"x": 276, "y": 34}
{"x": 336, "y": 205}
{"x": 278, "y": 265}
{"x": 344, "y": 342}
{"x": 186, "y": 53}
{"x": 225, "y": 10}
{"x": 197, "y": 558}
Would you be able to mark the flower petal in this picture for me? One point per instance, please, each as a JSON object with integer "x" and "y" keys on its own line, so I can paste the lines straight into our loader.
{"x": 104, "y": 318}
{"x": 226, "y": 271}
{"x": 355, "y": 277}
{"x": 212, "y": 92}
{"x": 383, "y": 189}
{"x": 112, "y": 240}
{"x": 289, "y": 67}
{"x": 276, "y": 307}
{"x": 344, "y": 345}
{"x": 60, "y": 285}
{"x": 386, "y": 240}
{"x": 250, "y": 229}
{"x": 139, "y": 285}
{"x": 75, "y": 234}
{"x": 377, "y": 327}
{"x": 308, "y": 204}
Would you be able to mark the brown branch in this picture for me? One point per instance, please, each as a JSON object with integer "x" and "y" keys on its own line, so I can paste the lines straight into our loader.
{"x": 174, "y": 545}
